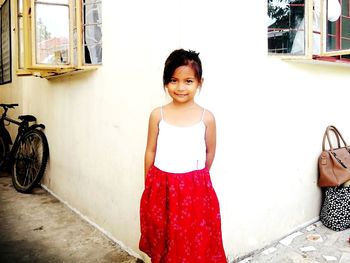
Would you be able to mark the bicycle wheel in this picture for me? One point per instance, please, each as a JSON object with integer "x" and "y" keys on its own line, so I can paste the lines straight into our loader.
{"x": 29, "y": 161}
{"x": 4, "y": 149}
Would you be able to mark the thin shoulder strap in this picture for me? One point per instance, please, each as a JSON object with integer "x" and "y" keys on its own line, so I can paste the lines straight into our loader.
{"x": 203, "y": 114}
{"x": 161, "y": 112}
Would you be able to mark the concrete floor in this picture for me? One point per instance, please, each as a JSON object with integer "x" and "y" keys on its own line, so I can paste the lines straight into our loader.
{"x": 312, "y": 244}
{"x": 38, "y": 228}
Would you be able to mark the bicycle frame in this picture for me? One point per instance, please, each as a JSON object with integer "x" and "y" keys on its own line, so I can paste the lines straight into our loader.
{"x": 3, "y": 129}
{"x": 23, "y": 126}
{"x": 5, "y": 133}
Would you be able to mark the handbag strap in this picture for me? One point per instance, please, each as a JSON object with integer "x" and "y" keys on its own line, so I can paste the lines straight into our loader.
{"x": 337, "y": 135}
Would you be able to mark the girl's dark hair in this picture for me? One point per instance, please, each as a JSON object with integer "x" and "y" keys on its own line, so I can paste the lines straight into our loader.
{"x": 181, "y": 57}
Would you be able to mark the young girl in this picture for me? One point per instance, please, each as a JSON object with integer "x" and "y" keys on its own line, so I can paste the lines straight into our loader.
{"x": 179, "y": 212}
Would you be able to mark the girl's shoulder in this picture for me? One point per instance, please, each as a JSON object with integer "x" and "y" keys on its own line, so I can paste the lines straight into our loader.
{"x": 156, "y": 111}
{"x": 156, "y": 114}
{"x": 208, "y": 117}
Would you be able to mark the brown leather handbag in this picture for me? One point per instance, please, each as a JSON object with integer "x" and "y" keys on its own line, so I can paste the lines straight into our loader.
{"x": 334, "y": 163}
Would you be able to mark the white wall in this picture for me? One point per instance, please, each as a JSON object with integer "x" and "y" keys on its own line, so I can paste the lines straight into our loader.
{"x": 271, "y": 115}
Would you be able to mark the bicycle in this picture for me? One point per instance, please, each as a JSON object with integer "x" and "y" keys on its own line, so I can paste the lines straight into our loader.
{"x": 27, "y": 158}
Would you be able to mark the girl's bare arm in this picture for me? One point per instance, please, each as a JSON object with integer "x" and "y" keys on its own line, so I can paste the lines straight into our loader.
{"x": 151, "y": 147}
{"x": 210, "y": 138}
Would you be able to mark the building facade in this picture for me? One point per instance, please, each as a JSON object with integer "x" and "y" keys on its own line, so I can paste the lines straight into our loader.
{"x": 271, "y": 114}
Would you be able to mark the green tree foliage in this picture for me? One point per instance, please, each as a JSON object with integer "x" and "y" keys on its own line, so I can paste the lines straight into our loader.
{"x": 283, "y": 14}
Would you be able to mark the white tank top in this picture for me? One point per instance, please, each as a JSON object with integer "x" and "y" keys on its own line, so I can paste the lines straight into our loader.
{"x": 180, "y": 149}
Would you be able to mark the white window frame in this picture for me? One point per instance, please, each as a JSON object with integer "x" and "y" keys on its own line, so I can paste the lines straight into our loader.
{"x": 307, "y": 36}
{"x": 324, "y": 55}
{"x": 324, "y": 51}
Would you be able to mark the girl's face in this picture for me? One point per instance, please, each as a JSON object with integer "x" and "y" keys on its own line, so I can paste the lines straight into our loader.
{"x": 183, "y": 85}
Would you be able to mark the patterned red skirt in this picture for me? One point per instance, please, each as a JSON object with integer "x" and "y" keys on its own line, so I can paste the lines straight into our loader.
{"x": 180, "y": 218}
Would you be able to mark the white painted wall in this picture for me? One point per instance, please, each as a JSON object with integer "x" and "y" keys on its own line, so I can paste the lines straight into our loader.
{"x": 271, "y": 115}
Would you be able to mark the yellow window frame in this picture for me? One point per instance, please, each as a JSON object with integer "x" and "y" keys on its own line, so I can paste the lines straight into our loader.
{"x": 29, "y": 45}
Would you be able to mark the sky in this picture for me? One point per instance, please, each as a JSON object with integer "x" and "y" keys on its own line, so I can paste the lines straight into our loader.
{"x": 56, "y": 19}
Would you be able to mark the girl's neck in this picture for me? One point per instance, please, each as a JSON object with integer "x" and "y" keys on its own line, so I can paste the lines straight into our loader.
{"x": 188, "y": 105}
{"x": 180, "y": 114}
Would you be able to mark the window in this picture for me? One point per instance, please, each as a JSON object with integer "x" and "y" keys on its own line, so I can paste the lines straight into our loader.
{"x": 309, "y": 28}
{"x": 58, "y": 36}
{"x": 92, "y": 32}
{"x": 285, "y": 21}
{"x": 337, "y": 35}
{"x": 5, "y": 55}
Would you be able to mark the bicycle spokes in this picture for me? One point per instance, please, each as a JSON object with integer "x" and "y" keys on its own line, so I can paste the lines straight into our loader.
{"x": 28, "y": 159}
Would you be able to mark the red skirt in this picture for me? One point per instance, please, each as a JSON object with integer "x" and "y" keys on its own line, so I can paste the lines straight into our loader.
{"x": 180, "y": 218}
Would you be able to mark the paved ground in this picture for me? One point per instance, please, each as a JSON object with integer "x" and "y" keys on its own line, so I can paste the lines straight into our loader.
{"x": 313, "y": 244}
{"x": 38, "y": 228}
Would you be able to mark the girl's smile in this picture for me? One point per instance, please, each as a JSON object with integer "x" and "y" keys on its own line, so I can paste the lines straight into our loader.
{"x": 180, "y": 95}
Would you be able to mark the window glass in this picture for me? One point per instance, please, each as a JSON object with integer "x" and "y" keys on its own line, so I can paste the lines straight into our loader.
{"x": 92, "y": 34}
{"x": 52, "y": 37}
{"x": 75, "y": 34}
{"x": 62, "y": 2}
{"x": 336, "y": 16}
{"x": 345, "y": 8}
{"x": 345, "y": 38}
{"x": 20, "y": 34}
{"x": 286, "y": 26}
{"x": 5, "y": 66}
